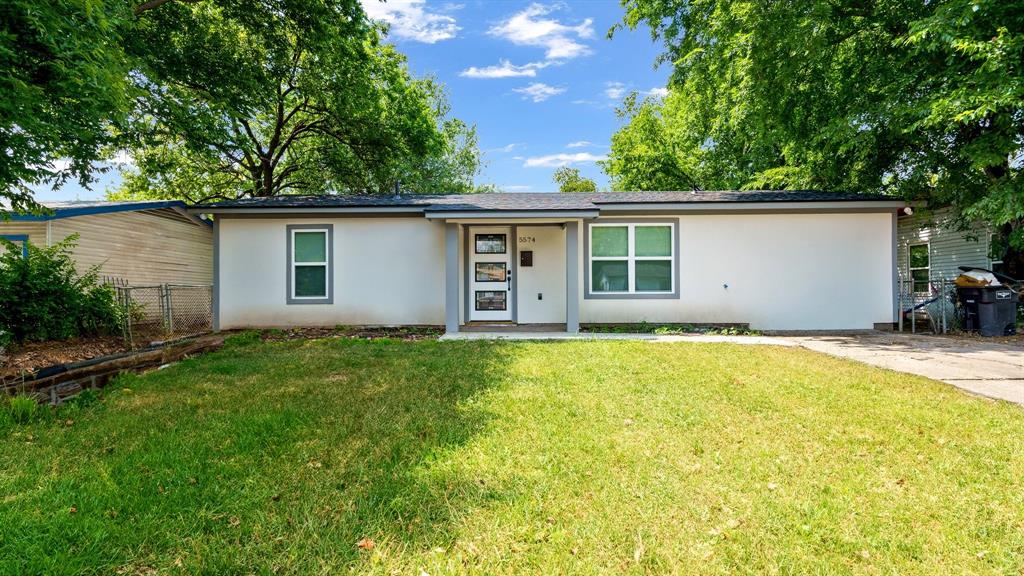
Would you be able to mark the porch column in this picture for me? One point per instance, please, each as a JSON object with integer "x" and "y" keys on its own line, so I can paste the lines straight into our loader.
{"x": 451, "y": 278}
{"x": 572, "y": 277}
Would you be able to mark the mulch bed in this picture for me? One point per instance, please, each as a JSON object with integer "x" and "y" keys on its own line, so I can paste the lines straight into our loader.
{"x": 397, "y": 333}
{"x": 34, "y": 355}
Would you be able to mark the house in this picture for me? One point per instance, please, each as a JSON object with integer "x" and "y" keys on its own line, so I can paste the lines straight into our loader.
{"x": 800, "y": 260}
{"x": 933, "y": 247}
{"x": 133, "y": 243}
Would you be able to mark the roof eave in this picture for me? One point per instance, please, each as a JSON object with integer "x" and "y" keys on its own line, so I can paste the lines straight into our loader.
{"x": 773, "y": 206}
{"x": 59, "y": 213}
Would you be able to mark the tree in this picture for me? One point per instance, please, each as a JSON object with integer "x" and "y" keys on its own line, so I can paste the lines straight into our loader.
{"x": 919, "y": 99}
{"x": 274, "y": 97}
{"x": 63, "y": 89}
{"x": 570, "y": 180}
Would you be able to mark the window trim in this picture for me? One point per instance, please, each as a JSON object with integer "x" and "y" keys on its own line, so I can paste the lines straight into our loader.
{"x": 631, "y": 259}
{"x": 23, "y": 238}
{"x": 290, "y": 297}
{"x": 991, "y": 263}
{"x": 911, "y": 269}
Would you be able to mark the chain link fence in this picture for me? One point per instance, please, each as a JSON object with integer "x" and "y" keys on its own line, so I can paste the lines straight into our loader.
{"x": 928, "y": 306}
{"x": 165, "y": 311}
{"x": 935, "y": 307}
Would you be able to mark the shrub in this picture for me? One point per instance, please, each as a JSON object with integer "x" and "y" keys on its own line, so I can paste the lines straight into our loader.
{"x": 42, "y": 297}
{"x": 22, "y": 409}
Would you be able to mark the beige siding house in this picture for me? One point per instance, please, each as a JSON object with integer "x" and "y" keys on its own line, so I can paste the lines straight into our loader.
{"x": 133, "y": 243}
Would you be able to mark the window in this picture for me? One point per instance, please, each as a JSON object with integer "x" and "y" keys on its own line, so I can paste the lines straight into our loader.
{"x": 488, "y": 300}
{"x": 995, "y": 253}
{"x": 309, "y": 264}
{"x": 634, "y": 258}
{"x": 919, "y": 267}
{"x": 490, "y": 272}
{"x": 20, "y": 242}
{"x": 490, "y": 243}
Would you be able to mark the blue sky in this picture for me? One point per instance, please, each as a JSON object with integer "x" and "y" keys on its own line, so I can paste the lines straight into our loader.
{"x": 539, "y": 80}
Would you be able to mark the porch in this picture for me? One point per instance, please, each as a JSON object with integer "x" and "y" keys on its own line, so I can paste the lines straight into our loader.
{"x": 512, "y": 275}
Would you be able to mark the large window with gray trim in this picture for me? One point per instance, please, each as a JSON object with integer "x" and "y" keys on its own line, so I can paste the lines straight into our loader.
{"x": 310, "y": 263}
{"x": 632, "y": 258}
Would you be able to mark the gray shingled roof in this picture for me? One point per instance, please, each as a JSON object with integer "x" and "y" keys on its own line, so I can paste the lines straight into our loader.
{"x": 539, "y": 201}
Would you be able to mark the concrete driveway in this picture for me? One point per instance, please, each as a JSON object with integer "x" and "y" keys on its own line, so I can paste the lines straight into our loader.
{"x": 984, "y": 368}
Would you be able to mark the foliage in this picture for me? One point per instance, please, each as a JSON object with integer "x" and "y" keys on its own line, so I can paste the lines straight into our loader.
{"x": 252, "y": 99}
{"x": 42, "y": 297}
{"x": 919, "y": 99}
{"x": 517, "y": 458}
{"x": 62, "y": 89}
{"x": 23, "y": 409}
{"x": 570, "y": 180}
{"x": 672, "y": 329}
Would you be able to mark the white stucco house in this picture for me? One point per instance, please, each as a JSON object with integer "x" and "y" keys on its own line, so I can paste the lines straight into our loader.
{"x": 798, "y": 260}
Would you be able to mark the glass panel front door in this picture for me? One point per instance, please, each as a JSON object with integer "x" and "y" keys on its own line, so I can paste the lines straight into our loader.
{"x": 490, "y": 273}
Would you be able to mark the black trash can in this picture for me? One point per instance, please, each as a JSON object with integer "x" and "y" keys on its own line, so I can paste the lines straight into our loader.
{"x": 990, "y": 310}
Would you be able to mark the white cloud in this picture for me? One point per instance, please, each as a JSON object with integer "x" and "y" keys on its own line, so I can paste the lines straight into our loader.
{"x": 507, "y": 147}
{"x": 122, "y": 158}
{"x": 579, "y": 144}
{"x": 409, "y": 21}
{"x": 530, "y": 28}
{"x": 614, "y": 90}
{"x": 517, "y": 188}
{"x": 60, "y": 164}
{"x": 657, "y": 92}
{"x": 504, "y": 69}
{"x": 539, "y": 91}
{"x": 559, "y": 160}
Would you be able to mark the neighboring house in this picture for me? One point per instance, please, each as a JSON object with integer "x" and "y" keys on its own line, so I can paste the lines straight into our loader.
{"x": 932, "y": 247}
{"x": 134, "y": 243}
{"x": 771, "y": 260}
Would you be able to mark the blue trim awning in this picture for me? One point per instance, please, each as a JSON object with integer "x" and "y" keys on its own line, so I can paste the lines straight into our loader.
{"x": 86, "y": 209}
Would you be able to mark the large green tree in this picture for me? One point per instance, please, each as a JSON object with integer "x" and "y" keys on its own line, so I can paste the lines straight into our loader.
{"x": 919, "y": 99}
{"x": 283, "y": 96}
{"x": 63, "y": 87}
{"x": 218, "y": 99}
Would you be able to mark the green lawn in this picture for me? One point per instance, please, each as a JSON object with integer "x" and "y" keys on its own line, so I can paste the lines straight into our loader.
{"x": 503, "y": 457}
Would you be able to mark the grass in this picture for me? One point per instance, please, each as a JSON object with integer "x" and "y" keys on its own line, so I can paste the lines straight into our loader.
{"x": 516, "y": 457}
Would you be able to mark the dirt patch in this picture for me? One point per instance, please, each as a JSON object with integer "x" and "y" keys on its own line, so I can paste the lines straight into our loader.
{"x": 368, "y": 333}
{"x": 31, "y": 356}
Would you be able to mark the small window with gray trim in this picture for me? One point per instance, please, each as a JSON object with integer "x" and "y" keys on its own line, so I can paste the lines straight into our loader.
{"x": 310, "y": 264}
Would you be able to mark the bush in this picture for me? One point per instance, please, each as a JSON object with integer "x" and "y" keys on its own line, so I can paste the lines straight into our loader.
{"x": 42, "y": 297}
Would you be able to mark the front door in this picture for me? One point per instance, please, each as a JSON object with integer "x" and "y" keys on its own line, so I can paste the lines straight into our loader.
{"x": 490, "y": 273}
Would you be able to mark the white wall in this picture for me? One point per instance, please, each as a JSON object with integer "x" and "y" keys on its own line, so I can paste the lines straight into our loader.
{"x": 784, "y": 272}
{"x": 545, "y": 277}
{"x": 386, "y": 271}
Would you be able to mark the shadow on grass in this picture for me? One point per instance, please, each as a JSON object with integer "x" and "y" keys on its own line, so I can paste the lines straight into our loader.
{"x": 260, "y": 457}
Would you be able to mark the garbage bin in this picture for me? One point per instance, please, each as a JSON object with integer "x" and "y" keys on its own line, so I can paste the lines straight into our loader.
{"x": 990, "y": 310}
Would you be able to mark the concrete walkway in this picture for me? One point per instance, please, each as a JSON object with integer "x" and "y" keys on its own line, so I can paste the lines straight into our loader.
{"x": 763, "y": 340}
{"x": 977, "y": 366}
